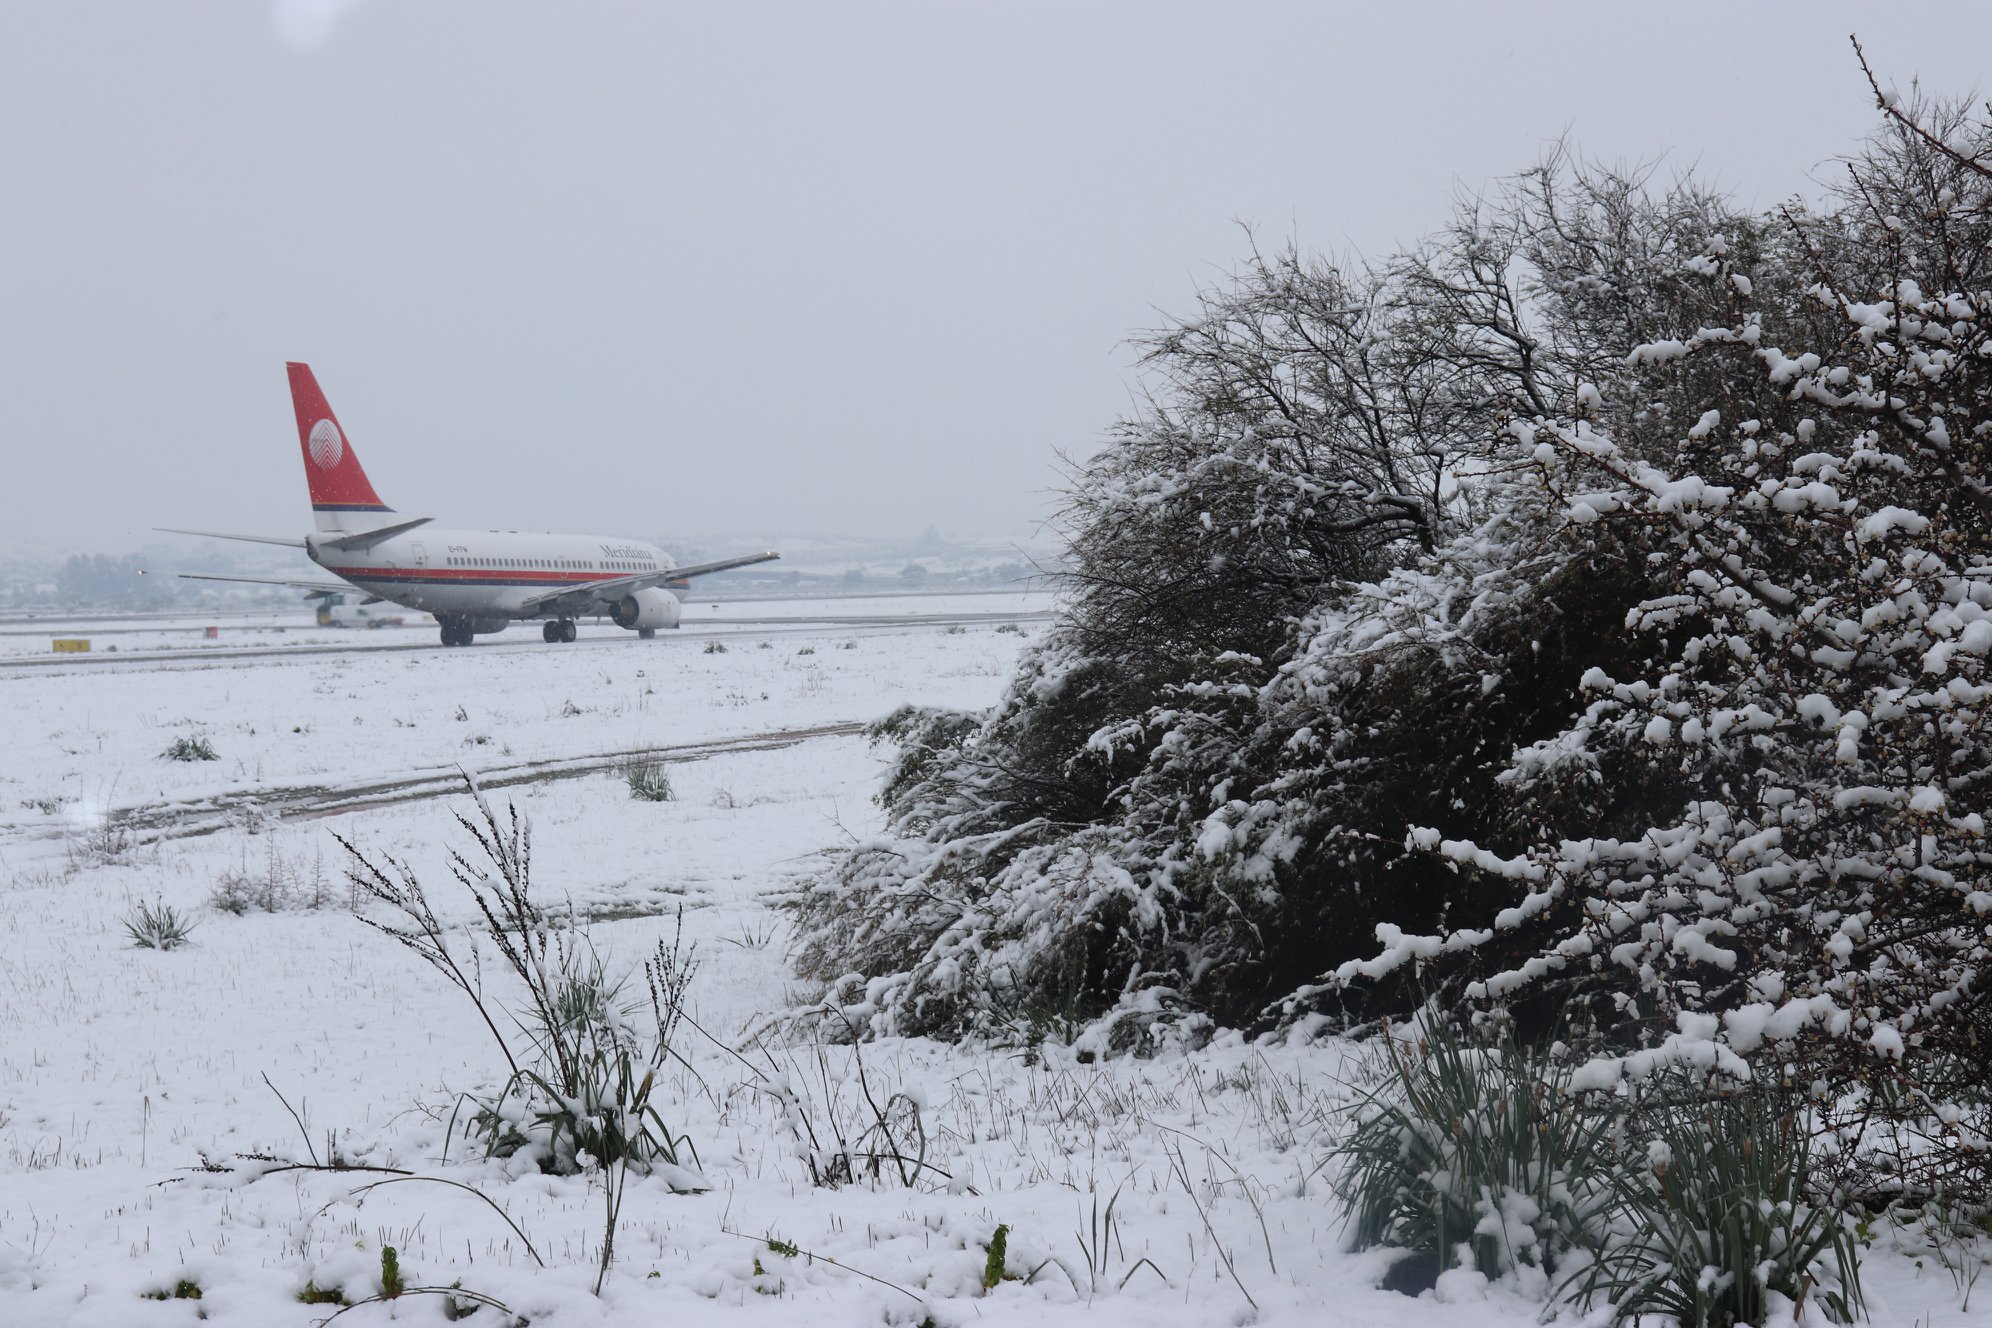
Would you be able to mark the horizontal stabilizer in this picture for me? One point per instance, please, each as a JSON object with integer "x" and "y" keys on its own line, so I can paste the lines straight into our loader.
{"x": 252, "y": 539}
{"x": 311, "y": 589}
{"x": 366, "y": 539}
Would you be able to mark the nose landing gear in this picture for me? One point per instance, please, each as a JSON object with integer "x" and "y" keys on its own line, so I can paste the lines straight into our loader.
{"x": 561, "y": 630}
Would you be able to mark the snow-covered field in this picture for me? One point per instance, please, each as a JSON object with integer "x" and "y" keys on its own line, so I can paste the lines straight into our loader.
{"x": 302, "y": 1033}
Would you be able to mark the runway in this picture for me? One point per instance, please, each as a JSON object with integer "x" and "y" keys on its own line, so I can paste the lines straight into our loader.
{"x": 705, "y": 621}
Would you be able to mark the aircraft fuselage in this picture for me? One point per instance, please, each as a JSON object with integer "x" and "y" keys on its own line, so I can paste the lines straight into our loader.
{"x": 483, "y": 574}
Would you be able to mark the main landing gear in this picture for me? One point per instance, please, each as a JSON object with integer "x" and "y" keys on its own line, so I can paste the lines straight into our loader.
{"x": 561, "y": 630}
{"x": 456, "y": 631}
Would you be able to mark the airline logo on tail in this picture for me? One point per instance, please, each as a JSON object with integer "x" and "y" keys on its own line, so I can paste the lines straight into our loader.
{"x": 327, "y": 445}
{"x": 338, "y": 484}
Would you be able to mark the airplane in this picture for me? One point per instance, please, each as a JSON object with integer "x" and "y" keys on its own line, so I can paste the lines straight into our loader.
{"x": 475, "y": 582}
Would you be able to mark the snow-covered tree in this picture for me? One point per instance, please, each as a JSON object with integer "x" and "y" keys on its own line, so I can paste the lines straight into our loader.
{"x": 1143, "y": 828}
{"x": 1585, "y": 616}
{"x": 1805, "y": 893}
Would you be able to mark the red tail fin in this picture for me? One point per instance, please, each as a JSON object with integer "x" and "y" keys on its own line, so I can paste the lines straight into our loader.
{"x": 338, "y": 486}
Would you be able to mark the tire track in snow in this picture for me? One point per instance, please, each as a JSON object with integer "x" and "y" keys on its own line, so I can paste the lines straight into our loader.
{"x": 152, "y": 822}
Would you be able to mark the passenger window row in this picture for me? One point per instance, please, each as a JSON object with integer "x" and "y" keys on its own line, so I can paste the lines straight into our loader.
{"x": 554, "y": 564}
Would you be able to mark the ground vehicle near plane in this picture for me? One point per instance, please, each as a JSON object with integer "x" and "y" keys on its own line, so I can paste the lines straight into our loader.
{"x": 474, "y": 581}
{"x": 335, "y": 611}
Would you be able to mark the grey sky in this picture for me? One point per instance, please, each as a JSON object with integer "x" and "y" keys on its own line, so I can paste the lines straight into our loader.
{"x": 740, "y": 267}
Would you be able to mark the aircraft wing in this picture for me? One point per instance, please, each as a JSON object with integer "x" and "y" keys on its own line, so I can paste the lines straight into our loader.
{"x": 312, "y": 589}
{"x": 723, "y": 565}
{"x": 577, "y": 599}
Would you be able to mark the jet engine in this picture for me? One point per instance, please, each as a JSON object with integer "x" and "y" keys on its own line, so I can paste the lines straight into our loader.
{"x": 646, "y": 610}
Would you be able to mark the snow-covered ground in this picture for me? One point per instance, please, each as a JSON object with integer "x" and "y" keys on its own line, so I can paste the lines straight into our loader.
{"x": 121, "y": 1069}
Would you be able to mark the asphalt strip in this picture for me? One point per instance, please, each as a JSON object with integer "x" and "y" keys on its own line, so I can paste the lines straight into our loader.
{"x": 198, "y": 657}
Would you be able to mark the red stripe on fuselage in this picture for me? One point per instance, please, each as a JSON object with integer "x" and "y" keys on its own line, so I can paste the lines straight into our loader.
{"x": 475, "y": 575}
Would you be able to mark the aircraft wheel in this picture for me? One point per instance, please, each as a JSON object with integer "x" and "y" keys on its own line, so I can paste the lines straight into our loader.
{"x": 646, "y": 633}
{"x": 550, "y": 632}
{"x": 455, "y": 633}
{"x": 568, "y": 631}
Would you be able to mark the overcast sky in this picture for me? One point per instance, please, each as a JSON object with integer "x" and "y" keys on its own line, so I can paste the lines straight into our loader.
{"x": 644, "y": 268}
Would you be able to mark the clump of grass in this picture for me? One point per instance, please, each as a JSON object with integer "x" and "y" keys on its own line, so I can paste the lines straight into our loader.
{"x": 1096, "y": 1249}
{"x": 1009, "y": 629}
{"x": 313, "y": 1294}
{"x": 1054, "y": 1018}
{"x": 190, "y": 748}
{"x": 279, "y": 886}
{"x": 578, "y": 1092}
{"x": 954, "y": 629}
{"x": 1685, "y": 1201}
{"x": 184, "y": 1289}
{"x": 715, "y": 647}
{"x": 807, "y": 650}
{"x": 1473, "y": 1155}
{"x": 157, "y": 926}
{"x": 106, "y": 841}
{"x": 648, "y": 781}
{"x": 1955, "y": 1230}
{"x": 750, "y": 936}
{"x": 848, "y": 1129}
{"x": 1720, "y": 1219}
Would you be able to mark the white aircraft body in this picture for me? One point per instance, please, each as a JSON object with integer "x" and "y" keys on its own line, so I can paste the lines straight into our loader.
{"x": 474, "y": 581}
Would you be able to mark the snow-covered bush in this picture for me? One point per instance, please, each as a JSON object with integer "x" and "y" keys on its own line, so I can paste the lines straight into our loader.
{"x": 1158, "y": 827}
{"x": 1587, "y": 614}
{"x": 1806, "y": 683}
